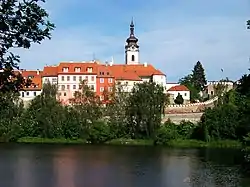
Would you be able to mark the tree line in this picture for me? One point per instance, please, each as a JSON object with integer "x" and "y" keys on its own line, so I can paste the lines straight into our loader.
{"x": 135, "y": 115}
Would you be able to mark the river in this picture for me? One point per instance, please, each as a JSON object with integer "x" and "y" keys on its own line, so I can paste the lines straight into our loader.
{"x": 118, "y": 166}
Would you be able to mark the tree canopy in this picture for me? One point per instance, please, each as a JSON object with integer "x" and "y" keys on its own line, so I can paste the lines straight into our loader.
{"x": 195, "y": 81}
{"x": 199, "y": 78}
{"x": 22, "y": 22}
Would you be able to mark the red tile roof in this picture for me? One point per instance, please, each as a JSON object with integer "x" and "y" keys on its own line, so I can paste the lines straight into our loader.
{"x": 134, "y": 72}
{"x": 82, "y": 65}
{"x": 178, "y": 88}
{"x": 35, "y": 77}
{"x": 104, "y": 71}
{"x": 50, "y": 71}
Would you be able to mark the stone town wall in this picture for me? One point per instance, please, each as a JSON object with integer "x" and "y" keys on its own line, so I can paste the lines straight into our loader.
{"x": 190, "y": 108}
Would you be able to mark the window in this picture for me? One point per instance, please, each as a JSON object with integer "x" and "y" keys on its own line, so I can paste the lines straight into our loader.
{"x": 80, "y": 78}
{"x": 92, "y": 78}
{"x": 34, "y": 93}
{"x": 101, "y": 80}
{"x": 185, "y": 94}
{"x": 101, "y": 73}
{"x": 101, "y": 89}
{"x": 68, "y": 87}
{"x": 89, "y": 70}
{"x": 65, "y": 69}
{"x": 27, "y": 93}
{"x": 59, "y": 93}
{"x": 107, "y": 73}
{"x": 110, "y": 89}
{"x": 54, "y": 79}
{"x": 92, "y": 87}
{"x": 63, "y": 87}
{"x": 74, "y": 87}
{"x": 74, "y": 78}
{"x": 212, "y": 93}
{"x": 64, "y": 94}
{"x": 68, "y": 78}
{"x": 62, "y": 78}
{"x": 110, "y": 80}
{"x": 22, "y": 94}
{"x": 77, "y": 69}
{"x": 46, "y": 80}
{"x": 133, "y": 58}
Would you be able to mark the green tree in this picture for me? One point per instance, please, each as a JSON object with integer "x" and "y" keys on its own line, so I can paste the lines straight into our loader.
{"x": 179, "y": 99}
{"x": 146, "y": 105}
{"x": 116, "y": 111}
{"x": 189, "y": 83}
{"x": 198, "y": 77}
{"x": 23, "y": 22}
{"x": 45, "y": 116}
{"x": 11, "y": 109}
{"x": 88, "y": 107}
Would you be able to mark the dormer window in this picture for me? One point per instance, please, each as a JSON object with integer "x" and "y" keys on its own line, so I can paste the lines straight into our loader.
{"x": 89, "y": 70}
{"x": 66, "y": 69}
{"x": 77, "y": 69}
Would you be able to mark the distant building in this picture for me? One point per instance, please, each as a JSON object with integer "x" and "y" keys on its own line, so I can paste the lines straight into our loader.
{"x": 179, "y": 89}
{"x": 211, "y": 85}
{"x": 35, "y": 89}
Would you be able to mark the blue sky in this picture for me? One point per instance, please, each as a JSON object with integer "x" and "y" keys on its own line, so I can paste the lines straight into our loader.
{"x": 173, "y": 34}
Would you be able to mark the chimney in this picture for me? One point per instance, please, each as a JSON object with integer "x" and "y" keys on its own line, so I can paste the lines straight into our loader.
{"x": 145, "y": 64}
{"x": 37, "y": 71}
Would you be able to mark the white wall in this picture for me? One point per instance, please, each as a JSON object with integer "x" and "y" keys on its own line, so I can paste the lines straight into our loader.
{"x": 159, "y": 79}
{"x": 71, "y": 81}
{"x": 127, "y": 85}
{"x": 52, "y": 80}
{"x": 29, "y": 95}
{"x": 129, "y": 54}
{"x": 185, "y": 94}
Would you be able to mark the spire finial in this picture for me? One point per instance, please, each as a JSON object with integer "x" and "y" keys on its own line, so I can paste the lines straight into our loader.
{"x": 132, "y": 22}
{"x": 132, "y": 27}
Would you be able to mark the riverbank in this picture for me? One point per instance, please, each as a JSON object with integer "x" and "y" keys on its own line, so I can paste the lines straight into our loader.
{"x": 180, "y": 143}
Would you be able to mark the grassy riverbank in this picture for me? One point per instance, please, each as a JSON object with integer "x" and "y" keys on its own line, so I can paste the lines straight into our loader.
{"x": 51, "y": 141}
{"x": 180, "y": 143}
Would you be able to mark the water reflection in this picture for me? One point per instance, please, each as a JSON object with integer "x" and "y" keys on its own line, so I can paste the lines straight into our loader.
{"x": 24, "y": 170}
{"x": 101, "y": 166}
{"x": 64, "y": 168}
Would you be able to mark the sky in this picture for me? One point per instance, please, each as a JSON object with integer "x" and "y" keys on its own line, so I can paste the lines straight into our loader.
{"x": 173, "y": 35}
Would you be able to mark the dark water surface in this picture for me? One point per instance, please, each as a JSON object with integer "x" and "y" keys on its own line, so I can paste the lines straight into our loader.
{"x": 117, "y": 166}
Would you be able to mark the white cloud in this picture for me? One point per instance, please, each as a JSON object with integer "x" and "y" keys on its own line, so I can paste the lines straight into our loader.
{"x": 174, "y": 47}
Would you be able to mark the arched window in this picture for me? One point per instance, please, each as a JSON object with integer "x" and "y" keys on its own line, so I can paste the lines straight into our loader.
{"x": 133, "y": 58}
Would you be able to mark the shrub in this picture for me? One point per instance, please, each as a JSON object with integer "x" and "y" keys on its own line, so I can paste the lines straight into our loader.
{"x": 166, "y": 133}
{"x": 99, "y": 132}
{"x": 186, "y": 129}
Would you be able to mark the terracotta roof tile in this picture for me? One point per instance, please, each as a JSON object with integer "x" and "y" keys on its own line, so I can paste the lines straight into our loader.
{"x": 178, "y": 88}
{"x": 104, "y": 71}
{"x": 82, "y": 65}
{"x": 50, "y": 71}
{"x": 140, "y": 70}
{"x": 131, "y": 76}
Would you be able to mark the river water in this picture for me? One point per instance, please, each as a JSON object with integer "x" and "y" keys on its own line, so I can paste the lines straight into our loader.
{"x": 118, "y": 166}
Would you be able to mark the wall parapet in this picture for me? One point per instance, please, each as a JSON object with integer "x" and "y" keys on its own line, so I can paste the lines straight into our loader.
{"x": 194, "y": 104}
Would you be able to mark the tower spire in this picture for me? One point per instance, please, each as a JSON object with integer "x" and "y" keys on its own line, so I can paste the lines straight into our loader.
{"x": 132, "y": 27}
{"x": 132, "y": 47}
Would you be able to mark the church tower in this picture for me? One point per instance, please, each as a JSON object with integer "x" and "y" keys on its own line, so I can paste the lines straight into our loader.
{"x": 132, "y": 48}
